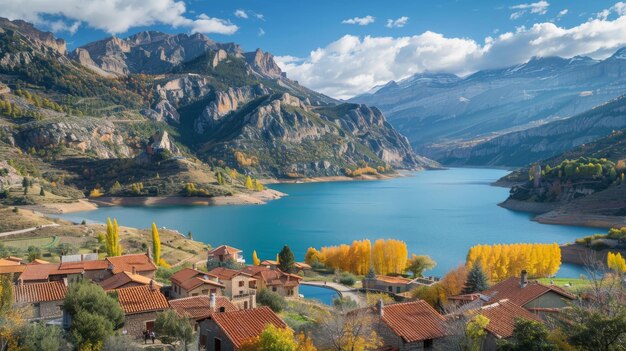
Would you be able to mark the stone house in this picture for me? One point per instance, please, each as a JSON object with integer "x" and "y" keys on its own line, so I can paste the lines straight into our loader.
{"x": 44, "y": 299}
{"x": 200, "y": 307}
{"x": 409, "y": 325}
{"x": 140, "y": 305}
{"x": 228, "y": 331}
{"x": 394, "y": 285}
{"x": 502, "y": 316}
{"x": 274, "y": 279}
{"x": 139, "y": 263}
{"x": 226, "y": 253}
{"x": 239, "y": 287}
{"x": 191, "y": 282}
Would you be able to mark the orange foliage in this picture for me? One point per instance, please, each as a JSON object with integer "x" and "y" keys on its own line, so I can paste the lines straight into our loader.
{"x": 508, "y": 260}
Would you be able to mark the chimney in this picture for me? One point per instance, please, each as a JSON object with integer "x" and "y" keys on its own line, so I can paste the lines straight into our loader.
{"x": 523, "y": 280}
{"x": 149, "y": 254}
{"x": 380, "y": 306}
{"x": 193, "y": 266}
{"x": 212, "y": 302}
{"x": 151, "y": 284}
{"x": 134, "y": 270}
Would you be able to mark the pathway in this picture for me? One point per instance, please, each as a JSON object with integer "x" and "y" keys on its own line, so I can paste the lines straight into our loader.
{"x": 342, "y": 290}
{"x": 22, "y": 231}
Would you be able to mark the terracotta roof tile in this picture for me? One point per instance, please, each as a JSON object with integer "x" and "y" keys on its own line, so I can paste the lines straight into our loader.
{"x": 223, "y": 250}
{"x": 85, "y": 265}
{"x": 226, "y": 273}
{"x": 273, "y": 276}
{"x": 502, "y": 316}
{"x": 511, "y": 290}
{"x": 198, "y": 281}
{"x": 241, "y": 326}
{"x": 120, "y": 279}
{"x": 393, "y": 280}
{"x": 188, "y": 273}
{"x": 139, "y": 299}
{"x": 9, "y": 262}
{"x": 42, "y": 271}
{"x": 141, "y": 262}
{"x": 414, "y": 321}
{"x": 12, "y": 269}
{"x": 39, "y": 292}
{"x": 197, "y": 307}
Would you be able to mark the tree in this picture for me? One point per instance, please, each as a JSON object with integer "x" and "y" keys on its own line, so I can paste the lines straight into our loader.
{"x": 286, "y": 260}
{"x": 42, "y": 192}
{"x": 476, "y": 280}
{"x": 312, "y": 256}
{"x": 38, "y": 336}
{"x": 475, "y": 332}
{"x": 34, "y": 253}
{"x": 190, "y": 235}
{"x": 156, "y": 244}
{"x": 95, "y": 314}
{"x": 595, "y": 329}
{"x": 352, "y": 331}
{"x": 249, "y": 184}
{"x": 272, "y": 338}
{"x": 418, "y": 264}
{"x": 120, "y": 343}
{"x": 115, "y": 188}
{"x": 616, "y": 263}
{"x": 6, "y": 294}
{"x": 173, "y": 329}
{"x": 255, "y": 259}
{"x": 528, "y": 336}
{"x": 272, "y": 300}
{"x": 112, "y": 242}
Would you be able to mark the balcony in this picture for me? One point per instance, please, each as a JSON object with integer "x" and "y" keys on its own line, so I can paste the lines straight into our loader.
{"x": 245, "y": 294}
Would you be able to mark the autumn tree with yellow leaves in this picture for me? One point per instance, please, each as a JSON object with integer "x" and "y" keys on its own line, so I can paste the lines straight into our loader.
{"x": 616, "y": 262}
{"x": 503, "y": 261}
{"x": 386, "y": 256}
{"x": 112, "y": 239}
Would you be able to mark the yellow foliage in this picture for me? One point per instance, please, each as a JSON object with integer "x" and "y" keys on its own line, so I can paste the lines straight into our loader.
{"x": 616, "y": 262}
{"x": 96, "y": 192}
{"x": 163, "y": 263}
{"x": 361, "y": 171}
{"x": 386, "y": 256}
{"x": 508, "y": 260}
{"x": 244, "y": 160}
{"x": 255, "y": 259}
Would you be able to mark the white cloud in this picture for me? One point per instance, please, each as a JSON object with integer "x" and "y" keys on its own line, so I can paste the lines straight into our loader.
{"x": 540, "y": 8}
{"x": 400, "y": 22}
{"x": 241, "y": 14}
{"x": 361, "y": 21}
{"x": 112, "y": 16}
{"x": 261, "y": 32}
{"x": 351, "y": 65}
{"x": 562, "y": 13}
{"x": 61, "y": 26}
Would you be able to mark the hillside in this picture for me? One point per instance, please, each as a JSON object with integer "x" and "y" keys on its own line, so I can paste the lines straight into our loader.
{"x": 150, "y": 114}
{"x": 583, "y": 186}
{"x": 449, "y": 118}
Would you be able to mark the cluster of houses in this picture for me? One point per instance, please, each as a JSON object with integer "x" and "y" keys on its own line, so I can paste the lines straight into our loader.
{"x": 222, "y": 302}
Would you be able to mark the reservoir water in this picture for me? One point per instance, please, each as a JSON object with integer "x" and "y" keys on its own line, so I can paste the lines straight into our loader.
{"x": 437, "y": 213}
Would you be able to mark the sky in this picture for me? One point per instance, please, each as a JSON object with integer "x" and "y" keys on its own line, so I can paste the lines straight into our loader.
{"x": 344, "y": 48}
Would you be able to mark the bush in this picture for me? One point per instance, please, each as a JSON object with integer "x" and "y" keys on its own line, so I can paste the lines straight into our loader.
{"x": 345, "y": 303}
{"x": 272, "y": 300}
{"x": 347, "y": 279}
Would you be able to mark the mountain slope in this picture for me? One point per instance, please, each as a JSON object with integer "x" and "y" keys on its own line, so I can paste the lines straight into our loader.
{"x": 439, "y": 113}
{"x": 220, "y": 109}
{"x": 523, "y": 147}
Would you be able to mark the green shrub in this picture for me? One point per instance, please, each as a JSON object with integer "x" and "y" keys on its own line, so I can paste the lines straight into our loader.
{"x": 272, "y": 300}
{"x": 347, "y": 279}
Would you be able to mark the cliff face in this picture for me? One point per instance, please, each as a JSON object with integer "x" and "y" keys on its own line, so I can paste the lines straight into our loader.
{"x": 216, "y": 103}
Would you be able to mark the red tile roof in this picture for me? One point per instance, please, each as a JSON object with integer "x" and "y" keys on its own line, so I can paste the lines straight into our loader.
{"x": 120, "y": 279}
{"x": 241, "y": 326}
{"x": 9, "y": 262}
{"x": 85, "y": 265}
{"x": 223, "y": 273}
{"x": 39, "y": 292}
{"x": 12, "y": 269}
{"x": 223, "y": 250}
{"x": 273, "y": 276}
{"x": 141, "y": 262}
{"x": 414, "y": 321}
{"x": 139, "y": 299}
{"x": 197, "y": 307}
{"x": 393, "y": 280}
{"x": 198, "y": 281}
{"x": 502, "y": 316}
{"x": 511, "y": 290}
{"x": 186, "y": 274}
{"x": 42, "y": 271}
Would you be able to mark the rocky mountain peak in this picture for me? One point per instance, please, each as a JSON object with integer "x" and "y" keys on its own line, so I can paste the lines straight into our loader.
{"x": 27, "y": 29}
{"x": 263, "y": 62}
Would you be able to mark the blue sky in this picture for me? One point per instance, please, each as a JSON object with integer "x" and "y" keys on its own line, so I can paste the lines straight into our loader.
{"x": 317, "y": 42}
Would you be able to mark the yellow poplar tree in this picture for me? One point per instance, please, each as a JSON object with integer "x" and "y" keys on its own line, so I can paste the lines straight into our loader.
{"x": 249, "y": 184}
{"x": 156, "y": 244}
{"x": 508, "y": 260}
{"x": 112, "y": 239}
{"x": 255, "y": 258}
{"x": 616, "y": 262}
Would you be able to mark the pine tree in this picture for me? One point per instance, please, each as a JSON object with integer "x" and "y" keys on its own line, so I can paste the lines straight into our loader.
{"x": 255, "y": 258}
{"x": 476, "y": 280}
{"x": 286, "y": 260}
{"x": 156, "y": 244}
{"x": 42, "y": 192}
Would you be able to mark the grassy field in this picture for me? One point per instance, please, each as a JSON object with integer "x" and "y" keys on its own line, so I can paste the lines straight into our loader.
{"x": 21, "y": 220}
{"x": 568, "y": 283}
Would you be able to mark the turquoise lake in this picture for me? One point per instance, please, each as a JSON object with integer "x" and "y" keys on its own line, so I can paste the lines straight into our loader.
{"x": 438, "y": 213}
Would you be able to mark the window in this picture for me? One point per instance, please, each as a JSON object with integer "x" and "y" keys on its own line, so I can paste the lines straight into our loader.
{"x": 194, "y": 294}
{"x": 241, "y": 283}
{"x": 428, "y": 343}
{"x": 274, "y": 289}
{"x": 397, "y": 289}
{"x": 390, "y": 288}
{"x": 217, "y": 343}
{"x": 245, "y": 305}
{"x": 205, "y": 292}
{"x": 213, "y": 291}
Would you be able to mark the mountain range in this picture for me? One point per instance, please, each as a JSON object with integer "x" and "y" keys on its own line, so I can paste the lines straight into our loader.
{"x": 219, "y": 105}
{"x": 495, "y": 117}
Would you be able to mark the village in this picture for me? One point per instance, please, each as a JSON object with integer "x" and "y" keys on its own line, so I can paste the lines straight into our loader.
{"x": 221, "y": 303}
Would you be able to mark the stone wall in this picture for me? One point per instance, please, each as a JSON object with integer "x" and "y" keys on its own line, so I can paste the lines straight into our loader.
{"x": 135, "y": 324}
{"x": 209, "y": 333}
